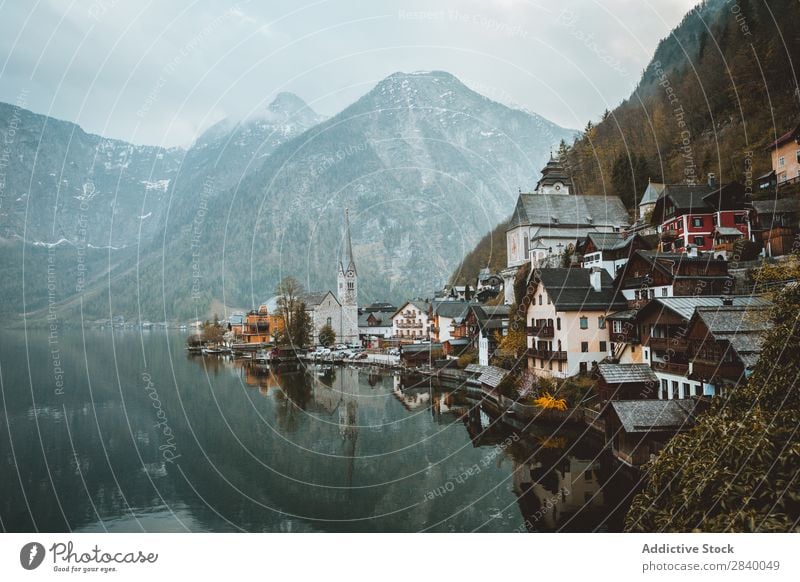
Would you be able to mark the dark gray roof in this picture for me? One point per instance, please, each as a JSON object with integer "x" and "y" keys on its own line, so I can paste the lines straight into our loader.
{"x": 686, "y": 306}
{"x": 553, "y": 172}
{"x": 492, "y": 376}
{"x": 540, "y": 209}
{"x": 735, "y": 318}
{"x": 651, "y": 193}
{"x": 609, "y": 241}
{"x": 780, "y": 206}
{"x": 452, "y": 309}
{"x": 571, "y": 290}
{"x": 624, "y": 315}
{"x": 638, "y": 416}
{"x": 417, "y": 348}
{"x": 627, "y": 373}
{"x": 384, "y": 318}
{"x": 314, "y": 298}
{"x": 689, "y": 197}
{"x": 485, "y": 313}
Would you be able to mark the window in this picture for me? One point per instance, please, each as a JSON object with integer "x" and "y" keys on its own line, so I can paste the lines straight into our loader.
{"x": 798, "y": 156}
{"x": 675, "y": 388}
{"x": 781, "y": 161}
{"x": 558, "y": 323}
{"x": 328, "y": 321}
{"x": 700, "y": 241}
{"x": 583, "y": 368}
{"x": 698, "y": 390}
{"x": 664, "y": 292}
{"x": 664, "y": 389}
{"x": 739, "y": 219}
{"x": 560, "y": 366}
{"x": 714, "y": 220}
{"x": 550, "y": 364}
{"x": 603, "y": 347}
{"x": 697, "y": 221}
{"x": 584, "y": 323}
{"x": 584, "y": 347}
{"x": 601, "y": 322}
{"x": 548, "y": 300}
{"x": 647, "y": 354}
{"x": 540, "y": 299}
{"x": 652, "y": 293}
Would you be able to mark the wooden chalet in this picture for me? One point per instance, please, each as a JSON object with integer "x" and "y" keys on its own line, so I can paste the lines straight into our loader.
{"x": 638, "y": 429}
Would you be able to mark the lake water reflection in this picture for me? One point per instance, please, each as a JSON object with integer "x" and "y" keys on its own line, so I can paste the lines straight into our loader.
{"x": 144, "y": 437}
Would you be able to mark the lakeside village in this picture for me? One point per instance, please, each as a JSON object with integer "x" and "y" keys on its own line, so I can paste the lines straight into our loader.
{"x": 630, "y": 329}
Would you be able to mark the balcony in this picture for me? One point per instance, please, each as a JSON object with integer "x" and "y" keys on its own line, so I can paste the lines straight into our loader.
{"x": 663, "y": 344}
{"x": 706, "y": 369}
{"x": 677, "y": 368}
{"x": 540, "y": 330}
{"x": 547, "y": 355}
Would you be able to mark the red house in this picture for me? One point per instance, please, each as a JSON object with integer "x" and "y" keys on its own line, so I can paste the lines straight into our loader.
{"x": 693, "y": 215}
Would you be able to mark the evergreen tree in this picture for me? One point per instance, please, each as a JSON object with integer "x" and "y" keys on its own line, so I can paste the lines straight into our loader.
{"x": 327, "y": 337}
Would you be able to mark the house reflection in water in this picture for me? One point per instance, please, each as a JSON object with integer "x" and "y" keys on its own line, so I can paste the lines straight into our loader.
{"x": 549, "y": 495}
{"x": 260, "y": 377}
{"x": 448, "y": 407}
{"x": 412, "y": 396}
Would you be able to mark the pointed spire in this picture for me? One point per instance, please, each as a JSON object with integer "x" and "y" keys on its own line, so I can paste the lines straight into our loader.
{"x": 347, "y": 259}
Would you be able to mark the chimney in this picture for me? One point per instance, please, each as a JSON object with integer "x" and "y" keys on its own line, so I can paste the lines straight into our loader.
{"x": 595, "y": 278}
{"x": 691, "y": 251}
{"x": 712, "y": 179}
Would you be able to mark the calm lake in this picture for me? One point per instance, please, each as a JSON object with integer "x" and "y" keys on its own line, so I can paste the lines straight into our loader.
{"x": 124, "y": 431}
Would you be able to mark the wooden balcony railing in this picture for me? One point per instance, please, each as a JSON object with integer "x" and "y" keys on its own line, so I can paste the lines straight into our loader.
{"x": 548, "y": 355}
{"x": 541, "y": 330}
{"x": 663, "y": 344}
{"x": 677, "y": 368}
{"x": 706, "y": 369}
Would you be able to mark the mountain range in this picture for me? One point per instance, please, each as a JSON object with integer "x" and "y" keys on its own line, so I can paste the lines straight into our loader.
{"x": 97, "y": 227}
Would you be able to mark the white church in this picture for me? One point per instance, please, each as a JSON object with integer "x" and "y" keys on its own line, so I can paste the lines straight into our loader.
{"x": 552, "y": 219}
{"x": 340, "y": 311}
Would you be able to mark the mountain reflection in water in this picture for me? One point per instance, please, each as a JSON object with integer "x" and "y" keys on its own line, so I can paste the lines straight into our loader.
{"x": 289, "y": 449}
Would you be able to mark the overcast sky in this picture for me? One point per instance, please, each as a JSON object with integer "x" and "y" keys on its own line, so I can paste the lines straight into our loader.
{"x": 161, "y": 72}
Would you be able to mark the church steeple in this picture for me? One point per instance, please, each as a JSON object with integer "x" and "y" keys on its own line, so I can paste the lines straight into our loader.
{"x": 347, "y": 276}
{"x": 347, "y": 263}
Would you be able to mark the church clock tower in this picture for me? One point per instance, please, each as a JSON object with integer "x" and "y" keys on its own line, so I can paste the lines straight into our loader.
{"x": 347, "y": 295}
